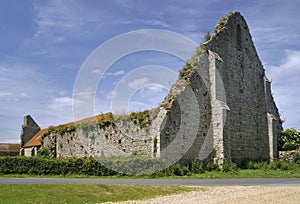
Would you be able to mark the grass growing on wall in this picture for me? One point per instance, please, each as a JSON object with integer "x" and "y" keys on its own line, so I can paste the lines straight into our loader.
{"x": 142, "y": 118}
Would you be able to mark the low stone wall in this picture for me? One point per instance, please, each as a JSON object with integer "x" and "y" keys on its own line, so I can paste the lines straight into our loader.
{"x": 288, "y": 155}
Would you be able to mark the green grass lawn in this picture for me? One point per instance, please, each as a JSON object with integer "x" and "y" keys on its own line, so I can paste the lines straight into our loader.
{"x": 82, "y": 193}
{"x": 247, "y": 173}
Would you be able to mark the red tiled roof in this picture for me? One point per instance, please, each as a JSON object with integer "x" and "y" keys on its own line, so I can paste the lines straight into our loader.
{"x": 36, "y": 139}
{"x": 6, "y": 147}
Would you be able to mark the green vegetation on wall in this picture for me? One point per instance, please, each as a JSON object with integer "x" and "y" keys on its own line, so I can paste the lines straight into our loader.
{"x": 43, "y": 152}
{"x": 221, "y": 24}
{"x": 186, "y": 71}
{"x": 142, "y": 118}
{"x": 105, "y": 120}
{"x": 166, "y": 104}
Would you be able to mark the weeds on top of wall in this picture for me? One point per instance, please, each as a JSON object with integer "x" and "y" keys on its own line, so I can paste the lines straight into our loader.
{"x": 166, "y": 104}
{"x": 105, "y": 120}
{"x": 142, "y": 118}
{"x": 221, "y": 24}
{"x": 186, "y": 71}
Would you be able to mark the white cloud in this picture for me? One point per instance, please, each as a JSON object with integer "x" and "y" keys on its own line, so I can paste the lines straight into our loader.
{"x": 58, "y": 14}
{"x": 285, "y": 86}
{"x": 289, "y": 68}
{"x": 117, "y": 73}
{"x": 60, "y": 110}
{"x": 152, "y": 22}
{"x": 97, "y": 71}
{"x": 24, "y": 90}
{"x": 5, "y": 94}
{"x": 61, "y": 103}
{"x": 138, "y": 106}
{"x": 137, "y": 83}
{"x": 153, "y": 89}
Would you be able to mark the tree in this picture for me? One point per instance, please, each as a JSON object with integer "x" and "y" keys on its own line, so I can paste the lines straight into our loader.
{"x": 289, "y": 139}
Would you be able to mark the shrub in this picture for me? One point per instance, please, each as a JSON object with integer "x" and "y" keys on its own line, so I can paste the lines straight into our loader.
{"x": 212, "y": 167}
{"x": 289, "y": 139}
{"x": 196, "y": 167}
{"x": 230, "y": 167}
{"x": 43, "y": 152}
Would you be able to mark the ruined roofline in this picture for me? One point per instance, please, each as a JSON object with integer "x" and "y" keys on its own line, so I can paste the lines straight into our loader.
{"x": 184, "y": 74}
{"x": 187, "y": 70}
{"x": 104, "y": 119}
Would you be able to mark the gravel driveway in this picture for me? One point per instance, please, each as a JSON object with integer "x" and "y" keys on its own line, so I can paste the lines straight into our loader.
{"x": 231, "y": 195}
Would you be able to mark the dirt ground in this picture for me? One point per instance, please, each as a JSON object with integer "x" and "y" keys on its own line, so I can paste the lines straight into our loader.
{"x": 231, "y": 195}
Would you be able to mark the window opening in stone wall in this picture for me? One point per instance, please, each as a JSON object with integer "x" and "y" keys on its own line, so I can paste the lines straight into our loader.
{"x": 238, "y": 37}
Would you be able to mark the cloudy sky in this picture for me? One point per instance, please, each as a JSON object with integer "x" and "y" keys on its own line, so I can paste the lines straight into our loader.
{"x": 45, "y": 43}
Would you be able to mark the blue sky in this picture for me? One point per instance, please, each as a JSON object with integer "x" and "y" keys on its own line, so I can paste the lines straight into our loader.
{"x": 44, "y": 44}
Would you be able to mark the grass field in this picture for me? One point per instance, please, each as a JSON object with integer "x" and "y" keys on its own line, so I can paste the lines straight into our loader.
{"x": 82, "y": 193}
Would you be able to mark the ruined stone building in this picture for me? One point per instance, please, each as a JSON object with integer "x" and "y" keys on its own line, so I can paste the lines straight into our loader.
{"x": 220, "y": 108}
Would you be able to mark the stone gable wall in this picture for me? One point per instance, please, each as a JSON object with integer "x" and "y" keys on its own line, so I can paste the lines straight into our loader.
{"x": 220, "y": 109}
{"x": 29, "y": 129}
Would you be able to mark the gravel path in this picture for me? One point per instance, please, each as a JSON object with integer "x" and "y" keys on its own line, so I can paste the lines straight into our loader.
{"x": 231, "y": 195}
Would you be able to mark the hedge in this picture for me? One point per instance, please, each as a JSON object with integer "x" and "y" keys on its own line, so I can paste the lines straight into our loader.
{"x": 94, "y": 167}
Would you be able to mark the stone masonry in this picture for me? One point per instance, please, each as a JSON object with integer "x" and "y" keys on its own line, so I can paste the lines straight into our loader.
{"x": 29, "y": 128}
{"x": 220, "y": 109}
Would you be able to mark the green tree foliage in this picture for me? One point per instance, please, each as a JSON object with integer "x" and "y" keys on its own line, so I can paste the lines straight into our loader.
{"x": 289, "y": 139}
{"x": 43, "y": 152}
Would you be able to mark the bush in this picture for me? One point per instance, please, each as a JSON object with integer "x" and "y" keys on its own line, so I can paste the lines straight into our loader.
{"x": 289, "y": 140}
{"x": 230, "y": 167}
{"x": 212, "y": 167}
{"x": 196, "y": 167}
{"x": 43, "y": 152}
{"x": 257, "y": 165}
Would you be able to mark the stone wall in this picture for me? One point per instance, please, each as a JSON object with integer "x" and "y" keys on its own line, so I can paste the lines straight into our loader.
{"x": 239, "y": 109}
{"x": 29, "y": 129}
{"x": 245, "y": 131}
{"x": 220, "y": 108}
{"x": 188, "y": 116}
{"x": 125, "y": 137}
